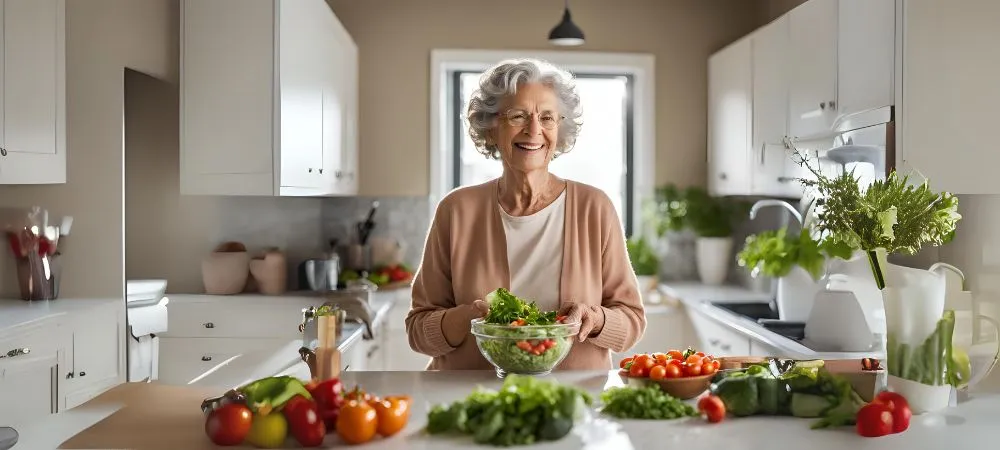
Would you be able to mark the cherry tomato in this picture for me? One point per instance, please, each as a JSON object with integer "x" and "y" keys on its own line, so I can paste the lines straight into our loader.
{"x": 305, "y": 423}
{"x": 701, "y": 354}
{"x": 675, "y": 354}
{"x": 358, "y": 422}
{"x": 675, "y": 362}
{"x": 638, "y": 371}
{"x": 624, "y": 362}
{"x": 874, "y": 420}
{"x": 716, "y": 364}
{"x": 524, "y": 345}
{"x": 392, "y": 413}
{"x": 549, "y": 343}
{"x": 657, "y": 373}
{"x": 645, "y": 361}
{"x": 229, "y": 424}
{"x": 713, "y": 408}
{"x": 693, "y": 360}
{"x": 661, "y": 358}
{"x": 672, "y": 371}
{"x": 708, "y": 369}
{"x": 899, "y": 407}
{"x": 692, "y": 370}
{"x": 328, "y": 395}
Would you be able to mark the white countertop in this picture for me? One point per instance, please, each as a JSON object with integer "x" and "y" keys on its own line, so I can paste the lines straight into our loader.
{"x": 697, "y": 297}
{"x": 16, "y": 313}
{"x": 971, "y": 424}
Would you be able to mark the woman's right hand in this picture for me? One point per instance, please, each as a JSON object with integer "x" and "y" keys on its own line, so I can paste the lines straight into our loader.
{"x": 457, "y": 321}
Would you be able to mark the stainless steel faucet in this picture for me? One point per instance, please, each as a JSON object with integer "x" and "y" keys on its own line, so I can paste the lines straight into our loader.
{"x": 772, "y": 202}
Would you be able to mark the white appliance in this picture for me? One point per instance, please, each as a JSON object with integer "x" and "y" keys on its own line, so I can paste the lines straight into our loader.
{"x": 146, "y": 309}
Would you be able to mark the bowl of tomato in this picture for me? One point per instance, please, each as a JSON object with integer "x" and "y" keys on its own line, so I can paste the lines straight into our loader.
{"x": 684, "y": 375}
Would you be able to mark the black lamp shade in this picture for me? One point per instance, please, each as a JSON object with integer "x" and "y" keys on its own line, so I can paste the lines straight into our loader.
{"x": 566, "y": 33}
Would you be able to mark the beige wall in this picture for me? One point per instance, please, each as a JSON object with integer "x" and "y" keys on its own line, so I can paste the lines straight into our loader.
{"x": 102, "y": 38}
{"x": 395, "y": 38}
{"x": 776, "y": 8}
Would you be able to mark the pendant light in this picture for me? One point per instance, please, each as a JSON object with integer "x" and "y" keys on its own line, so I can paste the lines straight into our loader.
{"x": 566, "y": 33}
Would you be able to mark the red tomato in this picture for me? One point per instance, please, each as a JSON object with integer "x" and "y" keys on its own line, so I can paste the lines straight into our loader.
{"x": 693, "y": 360}
{"x": 305, "y": 424}
{"x": 646, "y": 361}
{"x": 657, "y": 373}
{"x": 713, "y": 408}
{"x": 874, "y": 420}
{"x": 638, "y": 371}
{"x": 708, "y": 369}
{"x": 661, "y": 358}
{"x": 329, "y": 396}
{"x": 716, "y": 364}
{"x": 624, "y": 362}
{"x": 672, "y": 371}
{"x": 229, "y": 424}
{"x": 899, "y": 407}
{"x": 675, "y": 354}
{"x": 692, "y": 371}
{"x": 701, "y": 354}
{"x": 675, "y": 362}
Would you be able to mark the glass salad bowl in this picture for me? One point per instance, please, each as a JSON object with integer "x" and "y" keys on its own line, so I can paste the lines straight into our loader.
{"x": 526, "y": 349}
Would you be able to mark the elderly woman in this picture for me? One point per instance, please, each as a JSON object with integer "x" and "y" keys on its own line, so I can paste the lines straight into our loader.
{"x": 556, "y": 242}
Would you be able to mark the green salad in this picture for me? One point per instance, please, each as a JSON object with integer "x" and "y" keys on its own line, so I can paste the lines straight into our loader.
{"x": 518, "y": 337}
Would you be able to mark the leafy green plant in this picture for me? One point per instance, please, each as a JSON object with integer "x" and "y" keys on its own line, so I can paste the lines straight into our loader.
{"x": 668, "y": 209}
{"x": 712, "y": 216}
{"x": 889, "y": 216}
{"x": 774, "y": 253}
{"x": 644, "y": 260}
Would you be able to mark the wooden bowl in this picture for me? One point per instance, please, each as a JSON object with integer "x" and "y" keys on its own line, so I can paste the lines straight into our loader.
{"x": 684, "y": 388}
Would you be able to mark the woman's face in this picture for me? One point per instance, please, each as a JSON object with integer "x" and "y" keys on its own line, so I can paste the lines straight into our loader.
{"x": 527, "y": 130}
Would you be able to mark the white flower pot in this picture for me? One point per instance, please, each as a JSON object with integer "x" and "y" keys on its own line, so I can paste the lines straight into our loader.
{"x": 713, "y": 258}
{"x": 796, "y": 293}
{"x": 922, "y": 398}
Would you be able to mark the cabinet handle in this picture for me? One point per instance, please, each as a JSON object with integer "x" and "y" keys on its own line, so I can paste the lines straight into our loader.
{"x": 372, "y": 351}
{"x": 16, "y": 352}
{"x": 3, "y": 151}
{"x": 209, "y": 325}
{"x": 763, "y": 146}
{"x": 310, "y": 170}
{"x": 725, "y": 347}
{"x": 822, "y": 105}
{"x": 785, "y": 179}
{"x": 722, "y": 176}
{"x": 83, "y": 374}
{"x": 833, "y": 104}
{"x": 320, "y": 171}
{"x": 713, "y": 342}
{"x": 338, "y": 174}
{"x": 206, "y": 358}
{"x": 70, "y": 375}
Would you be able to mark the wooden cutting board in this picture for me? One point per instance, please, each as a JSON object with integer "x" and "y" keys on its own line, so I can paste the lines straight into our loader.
{"x": 154, "y": 417}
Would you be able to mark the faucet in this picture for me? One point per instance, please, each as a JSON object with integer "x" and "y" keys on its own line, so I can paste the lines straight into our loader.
{"x": 771, "y": 202}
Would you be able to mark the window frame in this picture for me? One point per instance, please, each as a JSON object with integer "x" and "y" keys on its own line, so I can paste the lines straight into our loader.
{"x": 640, "y": 171}
{"x": 628, "y": 206}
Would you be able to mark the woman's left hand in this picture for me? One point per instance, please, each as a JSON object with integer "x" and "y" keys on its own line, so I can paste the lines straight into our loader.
{"x": 591, "y": 318}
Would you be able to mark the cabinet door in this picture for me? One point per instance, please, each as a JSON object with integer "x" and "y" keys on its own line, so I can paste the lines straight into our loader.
{"x": 812, "y": 96}
{"x": 301, "y": 90}
{"x": 29, "y": 386}
{"x": 33, "y": 134}
{"x": 227, "y": 97}
{"x": 950, "y": 94}
{"x": 771, "y": 163}
{"x": 716, "y": 338}
{"x": 97, "y": 347}
{"x": 865, "y": 55}
{"x": 730, "y": 81}
{"x": 349, "y": 154}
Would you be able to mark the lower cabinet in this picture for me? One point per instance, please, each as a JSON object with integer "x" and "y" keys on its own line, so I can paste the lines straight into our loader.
{"x": 30, "y": 382}
{"x": 715, "y": 338}
{"x": 97, "y": 361}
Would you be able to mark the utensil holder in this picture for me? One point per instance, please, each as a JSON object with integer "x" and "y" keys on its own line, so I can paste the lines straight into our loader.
{"x": 359, "y": 257}
{"x": 38, "y": 277}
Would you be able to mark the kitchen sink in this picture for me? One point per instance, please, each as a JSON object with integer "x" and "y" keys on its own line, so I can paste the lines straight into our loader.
{"x": 753, "y": 311}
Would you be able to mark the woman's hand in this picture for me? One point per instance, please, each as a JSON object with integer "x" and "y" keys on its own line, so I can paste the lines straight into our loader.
{"x": 457, "y": 321}
{"x": 591, "y": 318}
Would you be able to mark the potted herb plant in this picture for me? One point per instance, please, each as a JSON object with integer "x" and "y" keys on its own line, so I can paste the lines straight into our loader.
{"x": 645, "y": 264}
{"x": 796, "y": 261}
{"x": 670, "y": 237}
{"x": 713, "y": 219}
{"x": 893, "y": 216}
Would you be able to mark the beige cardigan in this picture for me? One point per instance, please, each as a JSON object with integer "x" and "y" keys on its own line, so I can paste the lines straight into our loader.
{"x": 465, "y": 258}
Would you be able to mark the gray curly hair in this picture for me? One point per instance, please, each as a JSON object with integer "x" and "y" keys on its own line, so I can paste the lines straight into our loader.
{"x": 502, "y": 81}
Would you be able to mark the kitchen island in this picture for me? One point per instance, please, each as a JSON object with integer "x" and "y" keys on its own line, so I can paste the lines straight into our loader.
{"x": 152, "y": 416}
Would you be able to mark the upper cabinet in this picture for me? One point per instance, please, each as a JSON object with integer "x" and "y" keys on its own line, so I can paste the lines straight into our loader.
{"x": 33, "y": 92}
{"x": 950, "y": 67}
{"x": 804, "y": 76}
{"x": 268, "y": 99}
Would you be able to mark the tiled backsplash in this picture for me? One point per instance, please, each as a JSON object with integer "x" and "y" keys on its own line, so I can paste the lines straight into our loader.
{"x": 405, "y": 219}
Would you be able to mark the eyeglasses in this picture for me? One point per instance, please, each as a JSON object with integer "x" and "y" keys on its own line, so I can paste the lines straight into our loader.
{"x": 520, "y": 118}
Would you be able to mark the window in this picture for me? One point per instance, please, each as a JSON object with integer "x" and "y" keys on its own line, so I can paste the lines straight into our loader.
{"x": 615, "y": 149}
{"x": 602, "y": 156}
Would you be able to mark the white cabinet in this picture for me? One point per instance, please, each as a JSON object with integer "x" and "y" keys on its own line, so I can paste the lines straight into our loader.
{"x": 716, "y": 338}
{"x": 31, "y": 361}
{"x": 730, "y": 114}
{"x": 268, "y": 99}
{"x": 773, "y": 166}
{"x": 95, "y": 363}
{"x": 865, "y": 55}
{"x": 950, "y": 93}
{"x": 33, "y": 92}
{"x": 812, "y": 77}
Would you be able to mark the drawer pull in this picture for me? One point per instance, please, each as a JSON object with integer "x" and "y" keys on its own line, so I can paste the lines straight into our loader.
{"x": 16, "y": 352}
{"x": 83, "y": 374}
{"x": 70, "y": 375}
{"x": 209, "y": 325}
{"x": 713, "y": 342}
{"x": 372, "y": 351}
{"x": 725, "y": 347}
{"x": 206, "y": 358}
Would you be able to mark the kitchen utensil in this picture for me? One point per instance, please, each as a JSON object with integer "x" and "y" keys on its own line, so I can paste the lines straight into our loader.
{"x": 8, "y": 438}
{"x": 684, "y": 388}
{"x": 365, "y": 228}
{"x": 504, "y": 346}
{"x": 320, "y": 275}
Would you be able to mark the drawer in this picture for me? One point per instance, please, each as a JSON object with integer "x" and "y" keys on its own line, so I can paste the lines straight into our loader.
{"x": 223, "y": 362}
{"x": 231, "y": 320}
{"x": 716, "y": 338}
{"x": 42, "y": 338}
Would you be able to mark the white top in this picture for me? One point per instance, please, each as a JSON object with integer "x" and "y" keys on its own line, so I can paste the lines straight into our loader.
{"x": 535, "y": 253}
